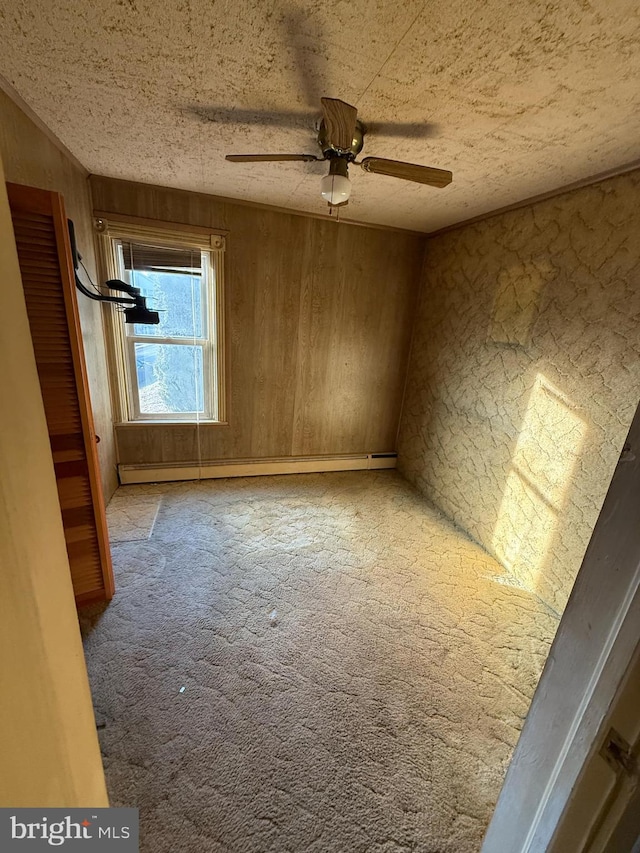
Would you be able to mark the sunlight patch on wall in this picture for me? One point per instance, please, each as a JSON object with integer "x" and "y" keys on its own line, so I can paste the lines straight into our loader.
{"x": 549, "y": 445}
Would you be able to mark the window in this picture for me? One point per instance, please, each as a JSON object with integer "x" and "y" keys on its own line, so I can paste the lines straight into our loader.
{"x": 171, "y": 366}
{"x": 173, "y": 370}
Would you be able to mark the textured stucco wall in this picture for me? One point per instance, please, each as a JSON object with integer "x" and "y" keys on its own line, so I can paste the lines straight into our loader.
{"x": 31, "y": 158}
{"x": 524, "y": 376}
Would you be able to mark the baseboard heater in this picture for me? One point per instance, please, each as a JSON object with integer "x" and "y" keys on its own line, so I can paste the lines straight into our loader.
{"x": 161, "y": 473}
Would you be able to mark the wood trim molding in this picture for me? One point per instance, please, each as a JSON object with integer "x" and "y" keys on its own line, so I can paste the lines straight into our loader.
{"x": 155, "y": 224}
{"x": 130, "y": 474}
{"x": 535, "y": 199}
{"x": 210, "y": 240}
{"x": 112, "y": 332}
{"x": 169, "y": 233}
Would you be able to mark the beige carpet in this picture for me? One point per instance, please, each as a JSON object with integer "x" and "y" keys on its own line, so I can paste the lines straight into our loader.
{"x": 314, "y": 663}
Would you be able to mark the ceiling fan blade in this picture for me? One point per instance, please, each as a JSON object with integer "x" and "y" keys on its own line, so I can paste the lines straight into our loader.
{"x": 268, "y": 158}
{"x": 407, "y": 171}
{"x": 339, "y": 121}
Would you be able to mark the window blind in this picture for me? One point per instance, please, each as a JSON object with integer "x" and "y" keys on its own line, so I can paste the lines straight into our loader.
{"x": 140, "y": 256}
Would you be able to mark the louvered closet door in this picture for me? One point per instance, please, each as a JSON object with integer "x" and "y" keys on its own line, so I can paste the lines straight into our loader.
{"x": 44, "y": 252}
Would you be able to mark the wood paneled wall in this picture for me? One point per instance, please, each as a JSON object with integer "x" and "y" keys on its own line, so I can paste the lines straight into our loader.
{"x": 31, "y": 158}
{"x": 319, "y": 318}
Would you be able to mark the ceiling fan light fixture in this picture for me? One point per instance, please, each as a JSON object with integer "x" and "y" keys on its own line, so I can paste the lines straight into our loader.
{"x": 335, "y": 189}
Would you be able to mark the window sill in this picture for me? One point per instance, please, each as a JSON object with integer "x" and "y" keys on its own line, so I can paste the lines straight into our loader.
{"x": 163, "y": 423}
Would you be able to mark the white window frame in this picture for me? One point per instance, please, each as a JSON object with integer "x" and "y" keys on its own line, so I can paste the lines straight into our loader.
{"x": 121, "y": 340}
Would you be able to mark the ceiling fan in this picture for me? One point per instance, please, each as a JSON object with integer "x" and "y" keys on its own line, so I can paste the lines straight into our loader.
{"x": 341, "y": 138}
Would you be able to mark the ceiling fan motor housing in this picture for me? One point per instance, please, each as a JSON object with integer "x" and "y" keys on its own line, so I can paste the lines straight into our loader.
{"x": 330, "y": 151}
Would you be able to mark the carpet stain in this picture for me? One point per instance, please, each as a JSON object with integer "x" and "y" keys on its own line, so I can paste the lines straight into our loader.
{"x": 355, "y": 674}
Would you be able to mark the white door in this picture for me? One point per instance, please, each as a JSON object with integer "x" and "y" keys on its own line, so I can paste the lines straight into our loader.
{"x": 592, "y": 654}
{"x": 603, "y": 815}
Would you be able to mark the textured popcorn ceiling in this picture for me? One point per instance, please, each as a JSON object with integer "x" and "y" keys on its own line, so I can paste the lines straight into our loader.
{"x": 517, "y": 98}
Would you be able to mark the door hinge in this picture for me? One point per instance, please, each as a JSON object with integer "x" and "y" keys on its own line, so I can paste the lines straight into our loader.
{"x": 618, "y": 754}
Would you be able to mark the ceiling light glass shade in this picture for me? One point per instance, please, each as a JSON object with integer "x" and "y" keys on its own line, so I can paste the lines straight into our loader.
{"x": 335, "y": 188}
